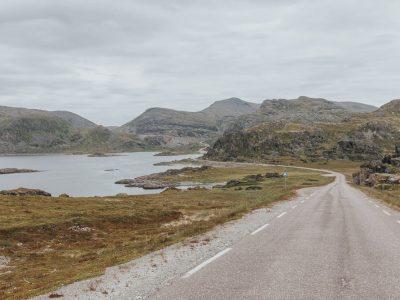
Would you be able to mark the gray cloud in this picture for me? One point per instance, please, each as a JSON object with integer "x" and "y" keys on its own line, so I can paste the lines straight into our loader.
{"x": 110, "y": 60}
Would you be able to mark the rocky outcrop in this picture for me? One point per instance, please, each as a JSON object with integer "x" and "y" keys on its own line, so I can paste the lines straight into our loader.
{"x": 359, "y": 137}
{"x": 382, "y": 174}
{"x": 25, "y": 192}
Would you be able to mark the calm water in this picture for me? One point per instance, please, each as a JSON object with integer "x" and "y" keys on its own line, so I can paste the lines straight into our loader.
{"x": 79, "y": 175}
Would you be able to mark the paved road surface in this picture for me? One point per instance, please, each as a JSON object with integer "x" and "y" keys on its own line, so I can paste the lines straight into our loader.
{"x": 334, "y": 245}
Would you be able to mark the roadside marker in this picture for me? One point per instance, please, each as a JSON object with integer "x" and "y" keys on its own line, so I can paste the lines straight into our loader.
{"x": 203, "y": 264}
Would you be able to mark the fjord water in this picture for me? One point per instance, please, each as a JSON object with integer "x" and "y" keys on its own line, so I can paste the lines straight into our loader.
{"x": 80, "y": 175}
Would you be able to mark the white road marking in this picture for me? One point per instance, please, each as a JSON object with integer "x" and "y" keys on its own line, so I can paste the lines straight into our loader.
{"x": 376, "y": 205}
{"x": 203, "y": 264}
{"x": 259, "y": 229}
{"x": 302, "y": 201}
{"x": 282, "y": 214}
{"x": 294, "y": 206}
{"x": 385, "y": 212}
{"x": 370, "y": 201}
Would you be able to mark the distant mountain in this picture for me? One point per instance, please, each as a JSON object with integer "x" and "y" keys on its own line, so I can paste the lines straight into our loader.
{"x": 303, "y": 110}
{"x": 231, "y": 107}
{"x": 25, "y": 130}
{"x": 311, "y": 129}
{"x": 38, "y": 131}
{"x": 182, "y": 127}
{"x": 76, "y": 121}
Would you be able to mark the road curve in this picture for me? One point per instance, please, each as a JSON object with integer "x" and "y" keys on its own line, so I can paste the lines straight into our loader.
{"x": 335, "y": 244}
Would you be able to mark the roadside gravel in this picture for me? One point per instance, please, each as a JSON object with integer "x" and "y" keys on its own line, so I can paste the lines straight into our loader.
{"x": 140, "y": 278}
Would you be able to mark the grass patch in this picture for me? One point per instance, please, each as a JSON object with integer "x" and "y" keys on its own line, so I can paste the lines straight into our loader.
{"x": 55, "y": 241}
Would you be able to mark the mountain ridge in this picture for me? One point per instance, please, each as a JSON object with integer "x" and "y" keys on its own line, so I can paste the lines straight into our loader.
{"x": 357, "y": 136}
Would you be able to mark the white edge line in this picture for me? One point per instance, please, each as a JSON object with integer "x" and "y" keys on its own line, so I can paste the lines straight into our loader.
{"x": 294, "y": 206}
{"x": 369, "y": 201}
{"x": 282, "y": 214}
{"x": 259, "y": 229}
{"x": 203, "y": 264}
{"x": 302, "y": 201}
{"x": 376, "y": 205}
{"x": 385, "y": 212}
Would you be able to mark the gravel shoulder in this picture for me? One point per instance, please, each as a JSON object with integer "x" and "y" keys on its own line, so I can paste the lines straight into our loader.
{"x": 140, "y": 278}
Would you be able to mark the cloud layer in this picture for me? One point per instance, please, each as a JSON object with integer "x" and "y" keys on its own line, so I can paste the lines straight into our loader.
{"x": 110, "y": 60}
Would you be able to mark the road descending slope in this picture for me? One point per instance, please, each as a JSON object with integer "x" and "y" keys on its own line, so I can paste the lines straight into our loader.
{"x": 334, "y": 244}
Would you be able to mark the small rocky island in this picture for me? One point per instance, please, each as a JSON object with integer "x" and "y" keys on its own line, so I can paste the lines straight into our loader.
{"x": 158, "y": 180}
{"x": 100, "y": 154}
{"x": 15, "y": 170}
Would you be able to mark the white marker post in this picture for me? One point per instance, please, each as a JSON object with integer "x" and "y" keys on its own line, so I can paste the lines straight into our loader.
{"x": 285, "y": 175}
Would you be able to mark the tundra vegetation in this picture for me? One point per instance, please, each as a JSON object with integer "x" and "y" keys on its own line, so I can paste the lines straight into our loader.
{"x": 48, "y": 241}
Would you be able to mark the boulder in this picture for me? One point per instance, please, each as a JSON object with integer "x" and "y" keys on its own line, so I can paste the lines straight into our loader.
{"x": 253, "y": 188}
{"x": 273, "y": 175}
{"x": 257, "y": 177}
{"x": 171, "y": 190}
{"x": 382, "y": 177}
{"x": 394, "y": 179}
{"x": 232, "y": 183}
{"x": 122, "y": 195}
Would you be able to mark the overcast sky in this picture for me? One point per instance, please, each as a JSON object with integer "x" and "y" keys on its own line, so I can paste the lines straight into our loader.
{"x": 109, "y": 60}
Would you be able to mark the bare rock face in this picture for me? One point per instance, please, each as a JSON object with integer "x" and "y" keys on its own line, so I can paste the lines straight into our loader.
{"x": 25, "y": 192}
{"x": 382, "y": 174}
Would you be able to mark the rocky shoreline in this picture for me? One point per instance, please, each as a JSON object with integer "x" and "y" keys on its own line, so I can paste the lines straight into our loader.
{"x": 25, "y": 192}
{"x": 158, "y": 180}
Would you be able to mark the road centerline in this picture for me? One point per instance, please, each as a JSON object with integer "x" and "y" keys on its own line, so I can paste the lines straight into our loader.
{"x": 282, "y": 214}
{"x": 259, "y": 229}
{"x": 205, "y": 263}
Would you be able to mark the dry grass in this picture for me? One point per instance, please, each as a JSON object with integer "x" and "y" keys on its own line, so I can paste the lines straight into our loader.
{"x": 55, "y": 241}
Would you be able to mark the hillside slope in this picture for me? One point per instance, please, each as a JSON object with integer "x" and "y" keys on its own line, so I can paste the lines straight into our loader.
{"x": 334, "y": 136}
{"x": 37, "y": 131}
{"x": 75, "y": 120}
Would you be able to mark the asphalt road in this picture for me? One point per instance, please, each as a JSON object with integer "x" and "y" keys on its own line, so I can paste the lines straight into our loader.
{"x": 335, "y": 244}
